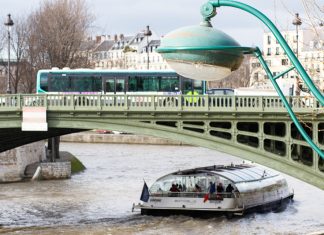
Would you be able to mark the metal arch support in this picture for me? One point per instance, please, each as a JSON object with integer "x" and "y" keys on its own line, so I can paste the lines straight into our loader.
{"x": 294, "y": 60}
{"x": 206, "y": 13}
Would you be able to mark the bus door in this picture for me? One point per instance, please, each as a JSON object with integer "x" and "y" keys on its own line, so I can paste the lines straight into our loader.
{"x": 120, "y": 85}
{"x": 109, "y": 86}
{"x": 115, "y": 86}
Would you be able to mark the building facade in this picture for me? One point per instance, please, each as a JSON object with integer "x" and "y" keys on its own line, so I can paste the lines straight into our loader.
{"x": 136, "y": 52}
{"x": 310, "y": 53}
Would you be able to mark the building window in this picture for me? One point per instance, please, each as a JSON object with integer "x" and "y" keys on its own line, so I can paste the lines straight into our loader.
{"x": 277, "y": 51}
{"x": 269, "y": 39}
{"x": 269, "y": 51}
{"x": 255, "y": 65}
{"x": 295, "y": 39}
{"x": 268, "y": 62}
{"x": 284, "y": 62}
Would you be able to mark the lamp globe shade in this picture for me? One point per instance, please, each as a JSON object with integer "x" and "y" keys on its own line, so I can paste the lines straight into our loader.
{"x": 201, "y": 52}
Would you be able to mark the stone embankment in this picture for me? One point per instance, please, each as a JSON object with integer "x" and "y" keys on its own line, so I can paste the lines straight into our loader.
{"x": 14, "y": 162}
{"x": 93, "y": 137}
{"x": 22, "y": 162}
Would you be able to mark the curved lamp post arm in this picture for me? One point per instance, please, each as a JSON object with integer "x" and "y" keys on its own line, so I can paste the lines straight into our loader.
{"x": 208, "y": 11}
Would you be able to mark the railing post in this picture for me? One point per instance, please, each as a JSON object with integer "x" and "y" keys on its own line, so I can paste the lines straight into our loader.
{"x": 73, "y": 102}
{"x": 126, "y": 102}
{"x": 153, "y": 102}
{"x": 179, "y": 97}
{"x": 45, "y": 101}
{"x": 234, "y": 99}
{"x": 19, "y": 101}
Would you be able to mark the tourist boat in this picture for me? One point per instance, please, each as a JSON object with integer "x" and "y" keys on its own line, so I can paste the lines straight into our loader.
{"x": 208, "y": 191}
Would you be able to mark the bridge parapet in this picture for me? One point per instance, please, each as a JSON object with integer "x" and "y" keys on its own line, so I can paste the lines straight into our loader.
{"x": 199, "y": 103}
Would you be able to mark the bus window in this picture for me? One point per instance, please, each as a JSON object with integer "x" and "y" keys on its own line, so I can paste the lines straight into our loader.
{"x": 81, "y": 84}
{"x": 192, "y": 86}
{"x": 187, "y": 85}
{"x": 169, "y": 84}
{"x": 120, "y": 85}
{"x": 59, "y": 83}
{"x": 97, "y": 84}
{"x": 110, "y": 85}
{"x": 132, "y": 84}
{"x": 44, "y": 82}
{"x": 150, "y": 83}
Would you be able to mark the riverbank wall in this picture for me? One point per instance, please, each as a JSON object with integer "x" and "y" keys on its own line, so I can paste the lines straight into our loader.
{"x": 93, "y": 137}
{"x": 22, "y": 162}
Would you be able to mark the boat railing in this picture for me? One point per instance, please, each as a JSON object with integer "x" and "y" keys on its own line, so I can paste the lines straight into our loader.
{"x": 211, "y": 196}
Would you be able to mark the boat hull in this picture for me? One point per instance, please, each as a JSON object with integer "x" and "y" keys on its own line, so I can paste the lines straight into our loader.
{"x": 277, "y": 205}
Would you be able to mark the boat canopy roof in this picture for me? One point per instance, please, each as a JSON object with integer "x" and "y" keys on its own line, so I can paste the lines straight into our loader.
{"x": 235, "y": 173}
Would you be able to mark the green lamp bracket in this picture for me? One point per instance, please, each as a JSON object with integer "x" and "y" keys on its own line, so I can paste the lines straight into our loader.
{"x": 208, "y": 10}
{"x": 207, "y": 13}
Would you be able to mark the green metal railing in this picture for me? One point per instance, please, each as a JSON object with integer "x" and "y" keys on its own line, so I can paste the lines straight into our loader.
{"x": 199, "y": 103}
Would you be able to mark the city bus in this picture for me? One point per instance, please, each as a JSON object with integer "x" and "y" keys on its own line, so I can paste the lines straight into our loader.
{"x": 137, "y": 82}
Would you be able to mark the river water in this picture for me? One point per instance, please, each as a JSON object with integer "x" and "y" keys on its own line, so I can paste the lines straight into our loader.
{"x": 99, "y": 200}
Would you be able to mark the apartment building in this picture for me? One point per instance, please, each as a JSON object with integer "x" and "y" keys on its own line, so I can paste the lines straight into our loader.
{"x": 137, "y": 52}
{"x": 310, "y": 52}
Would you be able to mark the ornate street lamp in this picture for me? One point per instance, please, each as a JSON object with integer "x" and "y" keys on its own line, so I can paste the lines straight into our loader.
{"x": 9, "y": 24}
{"x": 297, "y": 22}
{"x": 148, "y": 33}
{"x": 201, "y": 52}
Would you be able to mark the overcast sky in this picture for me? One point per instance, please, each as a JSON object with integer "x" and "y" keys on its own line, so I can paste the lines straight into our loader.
{"x": 129, "y": 16}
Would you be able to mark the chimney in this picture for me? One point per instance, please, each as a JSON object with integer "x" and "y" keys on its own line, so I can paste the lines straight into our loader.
{"x": 115, "y": 37}
{"x": 121, "y": 36}
{"x": 98, "y": 39}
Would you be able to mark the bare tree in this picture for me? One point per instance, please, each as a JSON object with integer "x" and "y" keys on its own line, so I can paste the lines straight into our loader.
{"x": 59, "y": 27}
{"x": 49, "y": 37}
{"x": 18, "y": 47}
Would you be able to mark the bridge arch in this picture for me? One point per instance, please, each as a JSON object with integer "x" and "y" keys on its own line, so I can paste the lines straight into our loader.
{"x": 198, "y": 139}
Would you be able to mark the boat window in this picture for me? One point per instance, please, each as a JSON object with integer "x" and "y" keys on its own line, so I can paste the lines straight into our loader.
{"x": 165, "y": 183}
{"x": 187, "y": 183}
